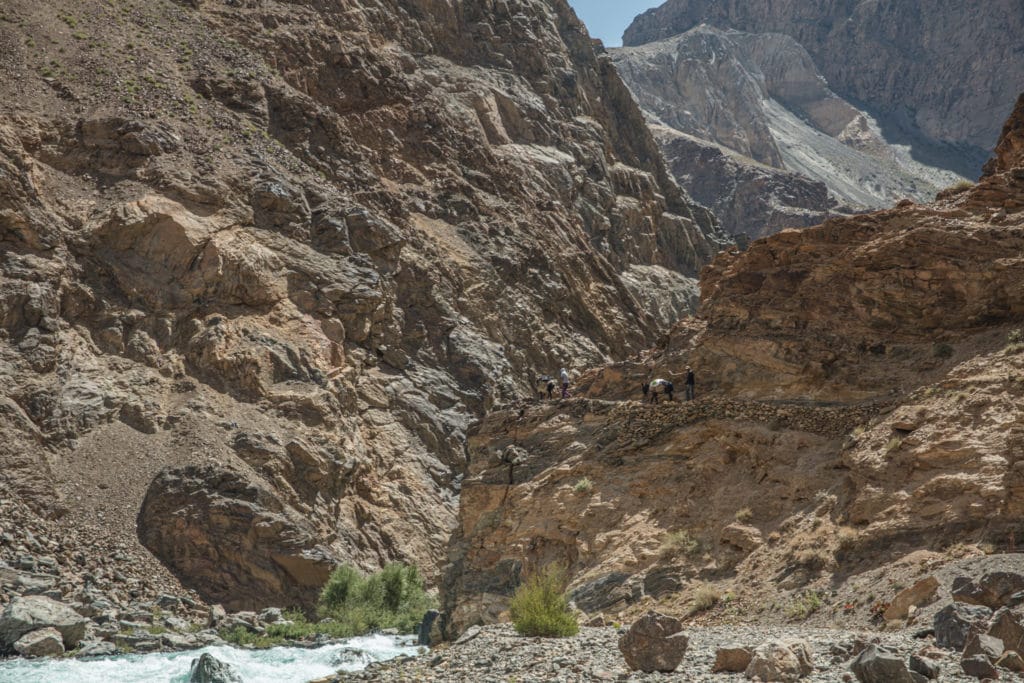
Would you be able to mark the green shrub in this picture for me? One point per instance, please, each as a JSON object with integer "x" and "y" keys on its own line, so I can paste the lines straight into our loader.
{"x": 584, "y": 485}
{"x": 804, "y": 606}
{"x": 392, "y": 598}
{"x": 678, "y": 543}
{"x": 958, "y": 187}
{"x": 243, "y": 637}
{"x": 942, "y": 350}
{"x": 541, "y": 608}
{"x": 706, "y": 597}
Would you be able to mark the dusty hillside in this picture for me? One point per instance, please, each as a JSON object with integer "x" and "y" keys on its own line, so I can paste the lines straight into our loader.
{"x": 950, "y": 70}
{"x": 858, "y": 425}
{"x": 262, "y": 264}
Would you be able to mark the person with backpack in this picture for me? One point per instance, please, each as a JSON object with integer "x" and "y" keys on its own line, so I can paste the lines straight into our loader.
{"x": 564, "y": 376}
{"x": 690, "y": 382}
{"x": 546, "y": 384}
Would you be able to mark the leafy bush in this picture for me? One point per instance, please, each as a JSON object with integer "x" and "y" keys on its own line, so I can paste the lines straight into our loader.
{"x": 744, "y": 515}
{"x": 942, "y": 350}
{"x": 541, "y": 608}
{"x": 394, "y": 597}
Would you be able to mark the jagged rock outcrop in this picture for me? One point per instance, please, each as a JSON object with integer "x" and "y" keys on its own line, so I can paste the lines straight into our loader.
{"x": 949, "y": 70}
{"x": 277, "y": 257}
{"x": 1009, "y": 153}
{"x": 761, "y": 96}
{"x": 858, "y": 405}
{"x": 749, "y": 199}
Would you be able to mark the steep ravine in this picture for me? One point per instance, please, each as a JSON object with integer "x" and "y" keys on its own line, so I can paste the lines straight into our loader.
{"x": 262, "y": 265}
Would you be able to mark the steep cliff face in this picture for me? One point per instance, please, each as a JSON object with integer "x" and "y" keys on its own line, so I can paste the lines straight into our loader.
{"x": 761, "y": 96}
{"x": 950, "y": 70}
{"x": 263, "y": 263}
{"x": 749, "y": 199}
{"x": 858, "y": 417}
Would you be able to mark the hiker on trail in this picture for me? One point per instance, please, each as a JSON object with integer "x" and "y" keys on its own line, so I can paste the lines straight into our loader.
{"x": 690, "y": 382}
{"x": 546, "y": 384}
{"x": 656, "y": 387}
{"x": 564, "y": 374}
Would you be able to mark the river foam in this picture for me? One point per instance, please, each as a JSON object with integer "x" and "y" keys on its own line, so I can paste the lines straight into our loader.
{"x": 275, "y": 665}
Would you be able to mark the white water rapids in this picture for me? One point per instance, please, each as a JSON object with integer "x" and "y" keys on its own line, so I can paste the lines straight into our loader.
{"x": 275, "y": 665}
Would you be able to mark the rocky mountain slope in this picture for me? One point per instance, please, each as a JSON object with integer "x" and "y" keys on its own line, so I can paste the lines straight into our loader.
{"x": 761, "y": 96}
{"x": 949, "y": 70}
{"x": 858, "y": 426}
{"x": 262, "y": 265}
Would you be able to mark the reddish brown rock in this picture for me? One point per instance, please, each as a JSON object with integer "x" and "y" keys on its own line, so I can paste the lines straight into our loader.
{"x": 1009, "y": 152}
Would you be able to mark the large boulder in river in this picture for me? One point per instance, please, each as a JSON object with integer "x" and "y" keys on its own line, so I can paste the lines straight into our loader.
{"x": 209, "y": 669}
{"x": 655, "y": 642}
{"x": 33, "y": 612}
{"x": 46, "y": 642}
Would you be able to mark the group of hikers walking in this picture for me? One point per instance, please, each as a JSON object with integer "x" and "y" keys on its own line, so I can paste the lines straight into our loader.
{"x": 546, "y": 384}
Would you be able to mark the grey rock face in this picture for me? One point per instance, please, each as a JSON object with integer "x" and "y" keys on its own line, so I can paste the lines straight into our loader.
{"x": 45, "y": 642}
{"x": 751, "y": 200}
{"x": 426, "y": 626}
{"x": 31, "y": 613}
{"x": 981, "y": 644}
{"x": 928, "y": 668}
{"x": 606, "y": 592}
{"x": 933, "y": 45}
{"x": 955, "y": 623}
{"x": 761, "y": 97}
{"x": 875, "y": 665}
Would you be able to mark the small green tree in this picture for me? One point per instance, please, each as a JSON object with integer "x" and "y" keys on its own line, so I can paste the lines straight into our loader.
{"x": 541, "y": 608}
{"x": 339, "y": 587}
{"x": 394, "y": 597}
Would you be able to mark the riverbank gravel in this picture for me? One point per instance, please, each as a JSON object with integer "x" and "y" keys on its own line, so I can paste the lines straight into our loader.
{"x": 498, "y": 654}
